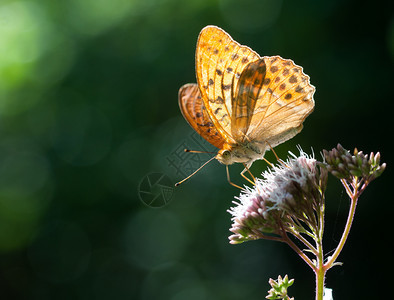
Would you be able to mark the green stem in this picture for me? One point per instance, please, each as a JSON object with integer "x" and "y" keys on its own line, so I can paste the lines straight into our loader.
{"x": 320, "y": 275}
{"x": 320, "y": 269}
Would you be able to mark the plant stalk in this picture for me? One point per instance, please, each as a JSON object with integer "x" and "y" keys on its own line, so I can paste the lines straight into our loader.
{"x": 320, "y": 269}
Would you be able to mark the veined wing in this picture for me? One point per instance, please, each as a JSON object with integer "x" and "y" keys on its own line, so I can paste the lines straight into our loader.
{"x": 249, "y": 89}
{"x": 285, "y": 100}
{"x": 193, "y": 110}
{"x": 219, "y": 64}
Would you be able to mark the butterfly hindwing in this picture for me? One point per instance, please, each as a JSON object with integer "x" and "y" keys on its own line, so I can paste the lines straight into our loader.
{"x": 285, "y": 99}
{"x": 193, "y": 110}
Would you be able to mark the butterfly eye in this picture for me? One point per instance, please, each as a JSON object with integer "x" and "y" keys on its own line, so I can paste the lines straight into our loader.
{"x": 226, "y": 154}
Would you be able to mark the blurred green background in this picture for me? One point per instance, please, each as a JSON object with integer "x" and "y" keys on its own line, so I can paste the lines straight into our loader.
{"x": 88, "y": 109}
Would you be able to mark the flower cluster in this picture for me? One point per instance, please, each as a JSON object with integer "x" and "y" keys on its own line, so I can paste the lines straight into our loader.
{"x": 279, "y": 288}
{"x": 288, "y": 204}
{"x": 289, "y": 191}
{"x": 291, "y": 194}
{"x": 253, "y": 216}
{"x": 343, "y": 165}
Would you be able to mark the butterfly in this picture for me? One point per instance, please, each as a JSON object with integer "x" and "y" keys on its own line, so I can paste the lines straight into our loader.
{"x": 244, "y": 104}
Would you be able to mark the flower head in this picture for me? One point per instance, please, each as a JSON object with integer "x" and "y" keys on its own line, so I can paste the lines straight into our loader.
{"x": 289, "y": 191}
{"x": 279, "y": 288}
{"x": 343, "y": 165}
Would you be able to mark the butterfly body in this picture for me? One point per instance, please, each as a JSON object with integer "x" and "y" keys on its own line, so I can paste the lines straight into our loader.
{"x": 244, "y": 104}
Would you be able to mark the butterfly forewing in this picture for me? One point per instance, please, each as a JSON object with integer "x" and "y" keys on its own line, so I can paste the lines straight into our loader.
{"x": 219, "y": 64}
{"x": 193, "y": 110}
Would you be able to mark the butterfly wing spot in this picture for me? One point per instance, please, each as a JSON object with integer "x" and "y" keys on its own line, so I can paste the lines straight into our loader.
{"x": 234, "y": 56}
{"x": 244, "y": 60}
{"x": 299, "y": 89}
{"x": 293, "y": 79}
{"x": 223, "y": 117}
{"x": 208, "y": 124}
{"x": 219, "y": 72}
{"x": 274, "y": 69}
{"x": 219, "y": 100}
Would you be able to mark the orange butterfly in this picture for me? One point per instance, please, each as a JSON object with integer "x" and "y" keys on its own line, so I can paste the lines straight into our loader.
{"x": 242, "y": 103}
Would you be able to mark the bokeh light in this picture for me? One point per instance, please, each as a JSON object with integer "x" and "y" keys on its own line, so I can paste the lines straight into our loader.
{"x": 250, "y": 15}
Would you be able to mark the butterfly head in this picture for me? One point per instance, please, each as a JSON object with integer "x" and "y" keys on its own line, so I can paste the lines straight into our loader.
{"x": 238, "y": 153}
{"x": 224, "y": 156}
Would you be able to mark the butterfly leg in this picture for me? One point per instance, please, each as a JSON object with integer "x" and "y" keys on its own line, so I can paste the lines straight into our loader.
{"x": 244, "y": 176}
{"x": 277, "y": 157}
{"x": 229, "y": 180}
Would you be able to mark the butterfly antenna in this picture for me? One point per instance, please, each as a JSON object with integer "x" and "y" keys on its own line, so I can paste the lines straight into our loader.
{"x": 178, "y": 183}
{"x": 196, "y": 151}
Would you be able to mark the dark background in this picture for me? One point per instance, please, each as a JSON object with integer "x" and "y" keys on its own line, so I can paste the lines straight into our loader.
{"x": 88, "y": 108}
